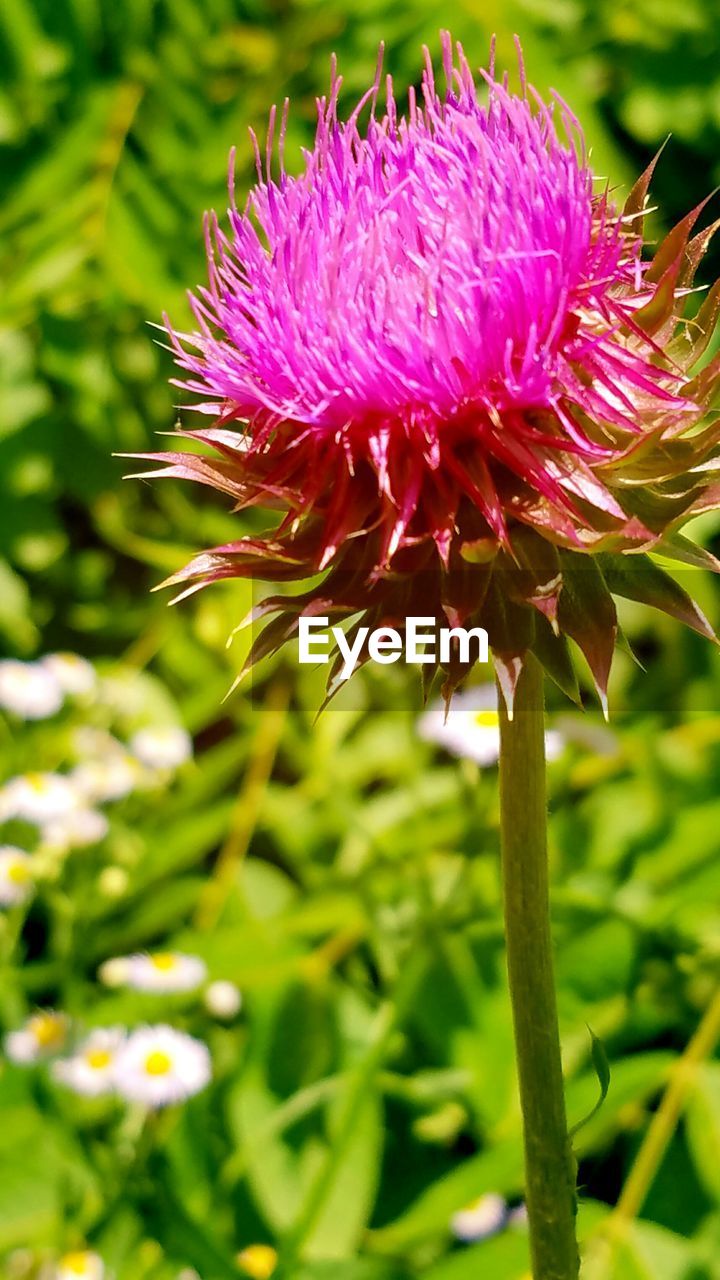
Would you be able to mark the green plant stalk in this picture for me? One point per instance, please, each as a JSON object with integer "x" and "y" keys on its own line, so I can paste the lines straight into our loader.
{"x": 549, "y": 1163}
{"x": 667, "y": 1117}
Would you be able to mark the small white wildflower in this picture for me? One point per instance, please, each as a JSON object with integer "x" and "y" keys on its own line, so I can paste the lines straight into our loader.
{"x": 161, "y": 746}
{"x": 114, "y": 972}
{"x": 75, "y": 675}
{"x": 38, "y": 797}
{"x": 83, "y": 1264}
{"x": 29, "y": 690}
{"x": 223, "y": 999}
{"x": 76, "y": 830}
{"x": 165, "y": 972}
{"x": 483, "y": 1218}
{"x": 471, "y": 727}
{"x": 159, "y": 1065}
{"x": 90, "y": 1070}
{"x": 41, "y": 1036}
{"x": 110, "y": 778}
{"x": 15, "y": 875}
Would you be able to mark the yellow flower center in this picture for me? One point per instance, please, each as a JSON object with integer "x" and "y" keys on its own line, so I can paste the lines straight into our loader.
{"x": 98, "y": 1059}
{"x": 17, "y": 873}
{"x": 158, "y": 1063}
{"x": 487, "y": 719}
{"x": 48, "y": 1029}
{"x": 164, "y": 961}
{"x": 36, "y": 782}
{"x": 77, "y": 1263}
{"x": 258, "y": 1261}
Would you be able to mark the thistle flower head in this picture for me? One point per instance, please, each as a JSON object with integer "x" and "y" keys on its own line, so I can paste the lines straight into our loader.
{"x": 439, "y": 351}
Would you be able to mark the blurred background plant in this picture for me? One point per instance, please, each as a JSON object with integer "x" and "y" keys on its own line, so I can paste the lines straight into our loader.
{"x": 313, "y": 904}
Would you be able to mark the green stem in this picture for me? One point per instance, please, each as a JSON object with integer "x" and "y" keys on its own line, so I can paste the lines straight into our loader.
{"x": 667, "y": 1117}
{"x": 549, "y": 1164}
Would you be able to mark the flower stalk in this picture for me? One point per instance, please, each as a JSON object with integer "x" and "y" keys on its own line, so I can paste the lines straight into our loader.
{"x": 549, "y": 1163}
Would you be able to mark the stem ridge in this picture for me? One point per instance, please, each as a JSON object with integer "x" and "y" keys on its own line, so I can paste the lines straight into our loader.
{"x": 550, "y": 1169}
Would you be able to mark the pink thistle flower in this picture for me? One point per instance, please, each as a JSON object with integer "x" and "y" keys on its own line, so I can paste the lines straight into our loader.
{"x": 439, "y": 352}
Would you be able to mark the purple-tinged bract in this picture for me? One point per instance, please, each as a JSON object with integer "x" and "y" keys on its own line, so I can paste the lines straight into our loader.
{"x": 439, "y": 351}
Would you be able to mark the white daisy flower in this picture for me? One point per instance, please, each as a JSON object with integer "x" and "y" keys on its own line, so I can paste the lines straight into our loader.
{"x": 110, "y": 778}
{"x": 161, "y": 746}
{"x": 114, "y": 972}
{"x": 480, "y": 1219}
{"x": 76, "y": 830}
{"x": 90, "y": 1070}
{"x": 471, "y": 727}
{"x": 29, "y": 690}
{"x": 15, "y": 875}
{"x": 83, "y": 1265}
{"x": 223, "y": 999}
{"x": 39, "y": 797}
{"x": 41, "y": 1036}
{"x": 75, "y": 675}
{"x": 165, "y": 971}
{"x": 159, "y": 1065}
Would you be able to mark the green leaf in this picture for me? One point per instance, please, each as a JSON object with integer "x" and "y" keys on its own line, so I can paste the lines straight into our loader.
{"x": 16, "y": 624}
{"x": 651, "y": 1253}
{"x": 634, "y": 1080}
{"x": 42, "y": 1168}
{"x": 602, "y": 1071}
{"x": 702, "y": 1122}
{"x": 599, "y": 962}
{"x": 183, "y": 1237}
{"x": 282, "y": 1163}
{"x": 350, "y": 1200}
{"x": 348, "y": 1269}
{"x": 147, "y": 917}
{"x": 498, "y": 1170}
{"x": 505, "y": 1257}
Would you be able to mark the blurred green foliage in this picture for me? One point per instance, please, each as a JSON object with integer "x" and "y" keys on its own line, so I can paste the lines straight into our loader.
{"x": 366, "y": 1094}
